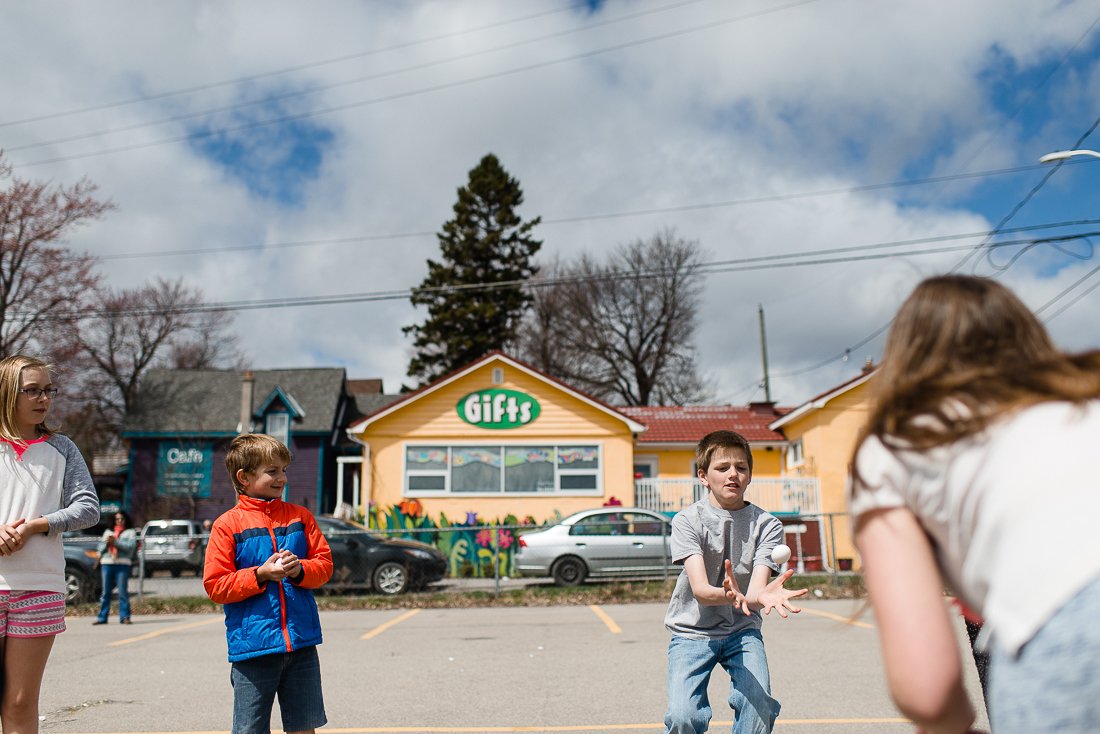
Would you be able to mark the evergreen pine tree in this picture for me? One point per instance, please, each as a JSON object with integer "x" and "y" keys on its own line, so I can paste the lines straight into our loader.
{"x": 485, "y": 244}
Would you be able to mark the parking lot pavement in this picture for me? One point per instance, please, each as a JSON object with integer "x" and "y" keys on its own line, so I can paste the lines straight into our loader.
{"x": 566, "y": 668}
{"x": 163, "y": 585}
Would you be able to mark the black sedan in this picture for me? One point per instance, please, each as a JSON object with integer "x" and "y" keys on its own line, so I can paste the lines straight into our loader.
{"x": 82, "y": 577}
{"x": 363, "y": 559}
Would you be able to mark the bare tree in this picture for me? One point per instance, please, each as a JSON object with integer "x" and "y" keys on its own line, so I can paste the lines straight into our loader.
{"x": 39, "y": 280}
{"x": 621, "y": 330}
{"x": 136, "y": 330}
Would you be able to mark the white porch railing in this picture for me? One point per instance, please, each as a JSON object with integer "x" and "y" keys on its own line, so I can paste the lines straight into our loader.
{"x": 797, "y": 495}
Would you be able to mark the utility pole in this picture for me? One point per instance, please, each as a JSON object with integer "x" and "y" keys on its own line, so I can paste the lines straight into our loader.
{"x": 764, "y": 354}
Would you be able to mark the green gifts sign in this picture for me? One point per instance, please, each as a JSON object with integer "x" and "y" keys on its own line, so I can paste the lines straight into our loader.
{"x": 183, "y": 470}
{"x": 498, "y": 408}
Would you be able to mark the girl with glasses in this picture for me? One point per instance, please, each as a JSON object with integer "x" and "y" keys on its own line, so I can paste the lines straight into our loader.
{"x": 45, "y": 489}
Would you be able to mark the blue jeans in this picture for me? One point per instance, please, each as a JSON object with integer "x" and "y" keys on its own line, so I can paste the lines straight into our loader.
{"x": 690, "y": 663}
{"x": 115, "y": 574}
{"x": 294, "y": 676}
{"x": 1052, "y": 686}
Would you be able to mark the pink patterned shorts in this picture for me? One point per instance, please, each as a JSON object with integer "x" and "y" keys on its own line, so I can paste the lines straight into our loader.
{"x": 31, "y": 613}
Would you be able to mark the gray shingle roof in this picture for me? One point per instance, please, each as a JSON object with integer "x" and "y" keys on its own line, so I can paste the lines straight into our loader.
{"x": 209, "y": 401}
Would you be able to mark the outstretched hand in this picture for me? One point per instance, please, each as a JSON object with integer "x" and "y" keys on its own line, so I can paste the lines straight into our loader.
{"x": 774, "y": 596}
{"x": 733, "y": 591}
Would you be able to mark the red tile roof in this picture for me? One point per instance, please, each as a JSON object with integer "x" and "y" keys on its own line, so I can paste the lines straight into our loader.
{"x": 688, "y": 424}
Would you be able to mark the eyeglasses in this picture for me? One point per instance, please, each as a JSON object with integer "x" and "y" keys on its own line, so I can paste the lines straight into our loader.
{"x": 34, "y": 393}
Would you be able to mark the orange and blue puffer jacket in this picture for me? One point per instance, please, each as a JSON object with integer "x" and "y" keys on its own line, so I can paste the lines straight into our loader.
{"x": 272, "y": 617}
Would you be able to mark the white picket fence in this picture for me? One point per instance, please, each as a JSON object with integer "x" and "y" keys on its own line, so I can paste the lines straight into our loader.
{"x": 795, "y": 495}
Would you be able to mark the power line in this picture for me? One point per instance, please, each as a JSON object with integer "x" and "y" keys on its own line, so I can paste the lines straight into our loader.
{"x": 348, "y": 82}
{"x": 740, "y": 265}
{"x": 619, "y": 215}
{"x": 423, "y": 90}
{"x": 290, "y": 69}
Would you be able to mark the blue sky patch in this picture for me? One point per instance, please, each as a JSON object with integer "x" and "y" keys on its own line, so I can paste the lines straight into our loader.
{"x": 274, "y": 161}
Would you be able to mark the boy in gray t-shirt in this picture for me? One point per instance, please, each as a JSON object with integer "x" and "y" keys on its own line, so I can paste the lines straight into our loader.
{"x": 725, "y": 545}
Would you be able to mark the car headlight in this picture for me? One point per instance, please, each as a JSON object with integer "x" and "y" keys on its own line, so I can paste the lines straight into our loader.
{"x": 421, "y": 554}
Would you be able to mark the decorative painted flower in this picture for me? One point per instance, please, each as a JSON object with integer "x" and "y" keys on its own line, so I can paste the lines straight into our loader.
{"x": 505, "y": 539}
{"x": 471, "y": 518}
{"x": 529, "y": 520}
{"x": 613, "y": 502}
{"x": 411, "y": 508}
{"x": 485, "y": 538}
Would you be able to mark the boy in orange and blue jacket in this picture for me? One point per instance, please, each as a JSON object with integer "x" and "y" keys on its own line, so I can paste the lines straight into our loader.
{"x": 263, "y": 560}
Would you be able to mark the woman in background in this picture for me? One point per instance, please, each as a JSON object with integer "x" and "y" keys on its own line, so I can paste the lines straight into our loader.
{"x": 116, "y": 557}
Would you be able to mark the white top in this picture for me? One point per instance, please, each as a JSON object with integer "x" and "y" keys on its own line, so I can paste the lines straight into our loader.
{"x": 51, "y": 480}
{"x": 1013, "y": 512}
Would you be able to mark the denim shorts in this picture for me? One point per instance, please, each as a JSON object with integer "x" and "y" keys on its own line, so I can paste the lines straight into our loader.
{"x": 1053, "y": 685}
{"x": 294, "y": 676}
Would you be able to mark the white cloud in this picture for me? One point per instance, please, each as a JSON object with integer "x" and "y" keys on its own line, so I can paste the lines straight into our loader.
{"x": 820, "y": 96}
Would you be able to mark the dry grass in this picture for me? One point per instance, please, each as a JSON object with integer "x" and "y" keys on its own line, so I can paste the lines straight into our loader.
{"x": 824, "y": 586}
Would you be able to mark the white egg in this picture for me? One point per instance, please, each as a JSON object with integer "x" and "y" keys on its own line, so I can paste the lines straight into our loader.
{"x": 781, "y": 554}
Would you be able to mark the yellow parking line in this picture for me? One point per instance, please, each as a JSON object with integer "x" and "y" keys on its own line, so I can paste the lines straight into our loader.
{"x": 166, "y": 630}
{"x": 838, "y": 618}
{"x": 591, "y": 727}
{"x": 383, "y": 627}
{"x": 615, "y": 629}
{"x": 575, "y": 728}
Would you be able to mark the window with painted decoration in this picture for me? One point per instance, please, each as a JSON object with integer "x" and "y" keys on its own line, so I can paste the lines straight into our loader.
{"x": 426, "y": 468}
{"x": 494, "y": 469}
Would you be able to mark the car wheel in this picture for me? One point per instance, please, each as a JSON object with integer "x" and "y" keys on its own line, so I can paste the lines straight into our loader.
{"x": 391, "y": 578}
{"x": 78, "y": 585}
{"x": 569, "y": 571}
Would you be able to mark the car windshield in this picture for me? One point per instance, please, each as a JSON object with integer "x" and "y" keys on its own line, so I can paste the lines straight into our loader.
{"x": 330, "y": 526}
{"x": 166, "y": 530}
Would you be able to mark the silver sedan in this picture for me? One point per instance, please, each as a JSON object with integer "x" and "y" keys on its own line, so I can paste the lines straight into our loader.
{"x": 606, "y": 542}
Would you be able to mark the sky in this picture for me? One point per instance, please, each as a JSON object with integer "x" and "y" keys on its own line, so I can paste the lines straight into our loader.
{"x": 282, "y": 150}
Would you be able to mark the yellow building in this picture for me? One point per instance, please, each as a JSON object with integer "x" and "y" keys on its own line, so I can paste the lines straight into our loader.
{"x": 498, "y": 438}
{"x": 822, "y": 433}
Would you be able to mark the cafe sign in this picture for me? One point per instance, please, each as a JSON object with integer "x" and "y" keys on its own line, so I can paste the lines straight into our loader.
{"x": 498, "y": 408}
{"x": 184, "y": 469}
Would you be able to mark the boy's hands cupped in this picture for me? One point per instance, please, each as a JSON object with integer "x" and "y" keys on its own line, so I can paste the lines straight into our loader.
{"x": 281, "y": 565}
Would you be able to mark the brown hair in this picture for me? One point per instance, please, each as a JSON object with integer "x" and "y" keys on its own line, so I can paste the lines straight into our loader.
{"x": 11, "y": 369}
{"x": 250, "y": 451}
{"x": 962, "y": 352}
{"x": 715, "y": 440}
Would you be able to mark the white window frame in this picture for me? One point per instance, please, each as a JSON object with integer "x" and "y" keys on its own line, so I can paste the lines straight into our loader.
{"x": 282, "y": 434}
{"x": 795, "y": 454}
{"x": 650, "y": 460}
{"x": 406, "y": 473}
{"x": 504, "y": 445}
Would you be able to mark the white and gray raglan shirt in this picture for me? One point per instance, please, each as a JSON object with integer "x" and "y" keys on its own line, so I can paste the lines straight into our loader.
{"x": 46, "y": 478}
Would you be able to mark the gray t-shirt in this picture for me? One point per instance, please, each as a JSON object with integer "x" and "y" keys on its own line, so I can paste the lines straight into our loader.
{"x": 746, "y": 536}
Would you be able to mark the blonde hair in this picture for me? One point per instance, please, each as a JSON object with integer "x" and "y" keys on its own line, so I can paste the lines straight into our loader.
{"x": 250, "y": 451}
{"x": 962, "y": 352}
{"x": 11, "y": 369}
{"x": 715, "y": 440}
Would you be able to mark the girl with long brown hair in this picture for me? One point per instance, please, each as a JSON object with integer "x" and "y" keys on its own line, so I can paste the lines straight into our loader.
{"x": 975, "y": 471}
